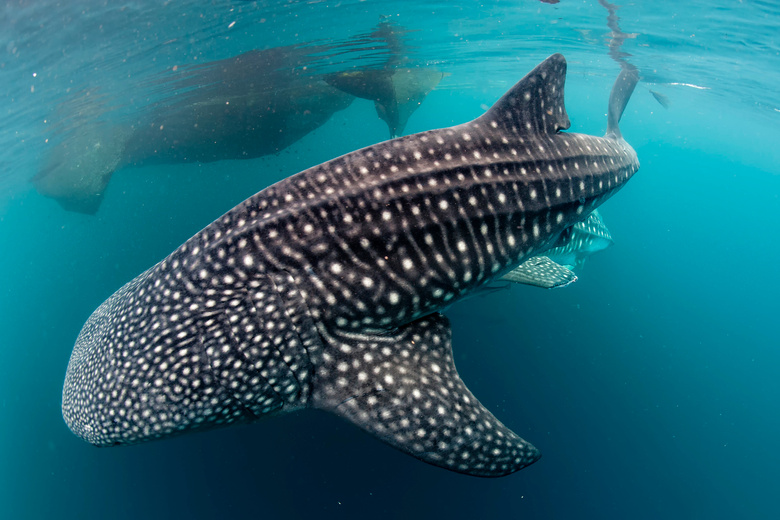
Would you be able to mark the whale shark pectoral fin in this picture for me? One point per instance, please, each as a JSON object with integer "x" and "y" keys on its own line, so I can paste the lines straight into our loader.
{"x": 541, "y": 272}
{"x": 404, "y": 389}
{"x": 535, "y": 104}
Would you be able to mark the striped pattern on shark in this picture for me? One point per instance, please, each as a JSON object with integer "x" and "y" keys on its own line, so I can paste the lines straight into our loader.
{"x": 324, "y": 290}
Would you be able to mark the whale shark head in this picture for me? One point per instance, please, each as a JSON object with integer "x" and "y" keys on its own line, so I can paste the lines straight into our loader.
{"x": 325, "y": 289}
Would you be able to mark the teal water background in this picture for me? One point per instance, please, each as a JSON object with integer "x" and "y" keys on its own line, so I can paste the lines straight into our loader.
{"x": 651, "y": 385}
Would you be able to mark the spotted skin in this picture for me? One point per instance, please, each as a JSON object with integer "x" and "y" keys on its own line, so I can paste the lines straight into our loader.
{"x": 554, "y": 267}
{"x": 323, "y": 290}
{"x": 580, "y": 241}
{"x": 540, "y": 271}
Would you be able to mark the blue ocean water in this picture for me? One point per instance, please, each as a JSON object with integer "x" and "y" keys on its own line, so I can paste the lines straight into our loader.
{"x": 650, "y": 385}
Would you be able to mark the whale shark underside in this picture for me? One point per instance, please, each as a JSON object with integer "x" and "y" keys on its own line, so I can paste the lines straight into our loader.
{"x": 325, "y": 289}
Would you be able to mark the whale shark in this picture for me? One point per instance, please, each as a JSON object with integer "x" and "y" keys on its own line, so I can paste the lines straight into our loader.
{"x": 324, "y": 290}
{"x": 579, "y": 242}
{"x": 555, "y": 267}
{"x": 398, "y": 86}
{"x": 255, "y": 104}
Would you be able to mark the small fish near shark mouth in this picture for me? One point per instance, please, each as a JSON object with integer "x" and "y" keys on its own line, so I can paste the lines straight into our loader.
{"x": 325, "y": 289}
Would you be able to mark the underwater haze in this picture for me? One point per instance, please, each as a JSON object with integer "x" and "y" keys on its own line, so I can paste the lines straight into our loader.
{"x": 650, "y": 385}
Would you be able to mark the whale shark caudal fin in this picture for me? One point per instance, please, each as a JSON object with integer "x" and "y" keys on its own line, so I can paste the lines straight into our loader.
{"x": 404, "y": 389}
{"x": 618, "y": 99}
{"x": 535, "y": 104}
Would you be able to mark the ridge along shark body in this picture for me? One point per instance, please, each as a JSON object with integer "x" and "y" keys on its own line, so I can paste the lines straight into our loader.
{"x": 323, "y": 290}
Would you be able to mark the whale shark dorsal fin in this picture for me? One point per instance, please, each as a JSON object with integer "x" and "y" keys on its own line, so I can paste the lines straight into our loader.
{"x": 404, "y": 389}
{"x": 535, "y": 104}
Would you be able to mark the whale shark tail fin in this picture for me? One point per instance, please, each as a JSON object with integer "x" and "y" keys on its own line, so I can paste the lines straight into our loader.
{"x": 618, "y": 99}
{"x": 404, "y": 389}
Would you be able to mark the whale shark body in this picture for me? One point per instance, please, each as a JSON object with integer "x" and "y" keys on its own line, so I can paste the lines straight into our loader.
{"x": 324, "y": 290}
